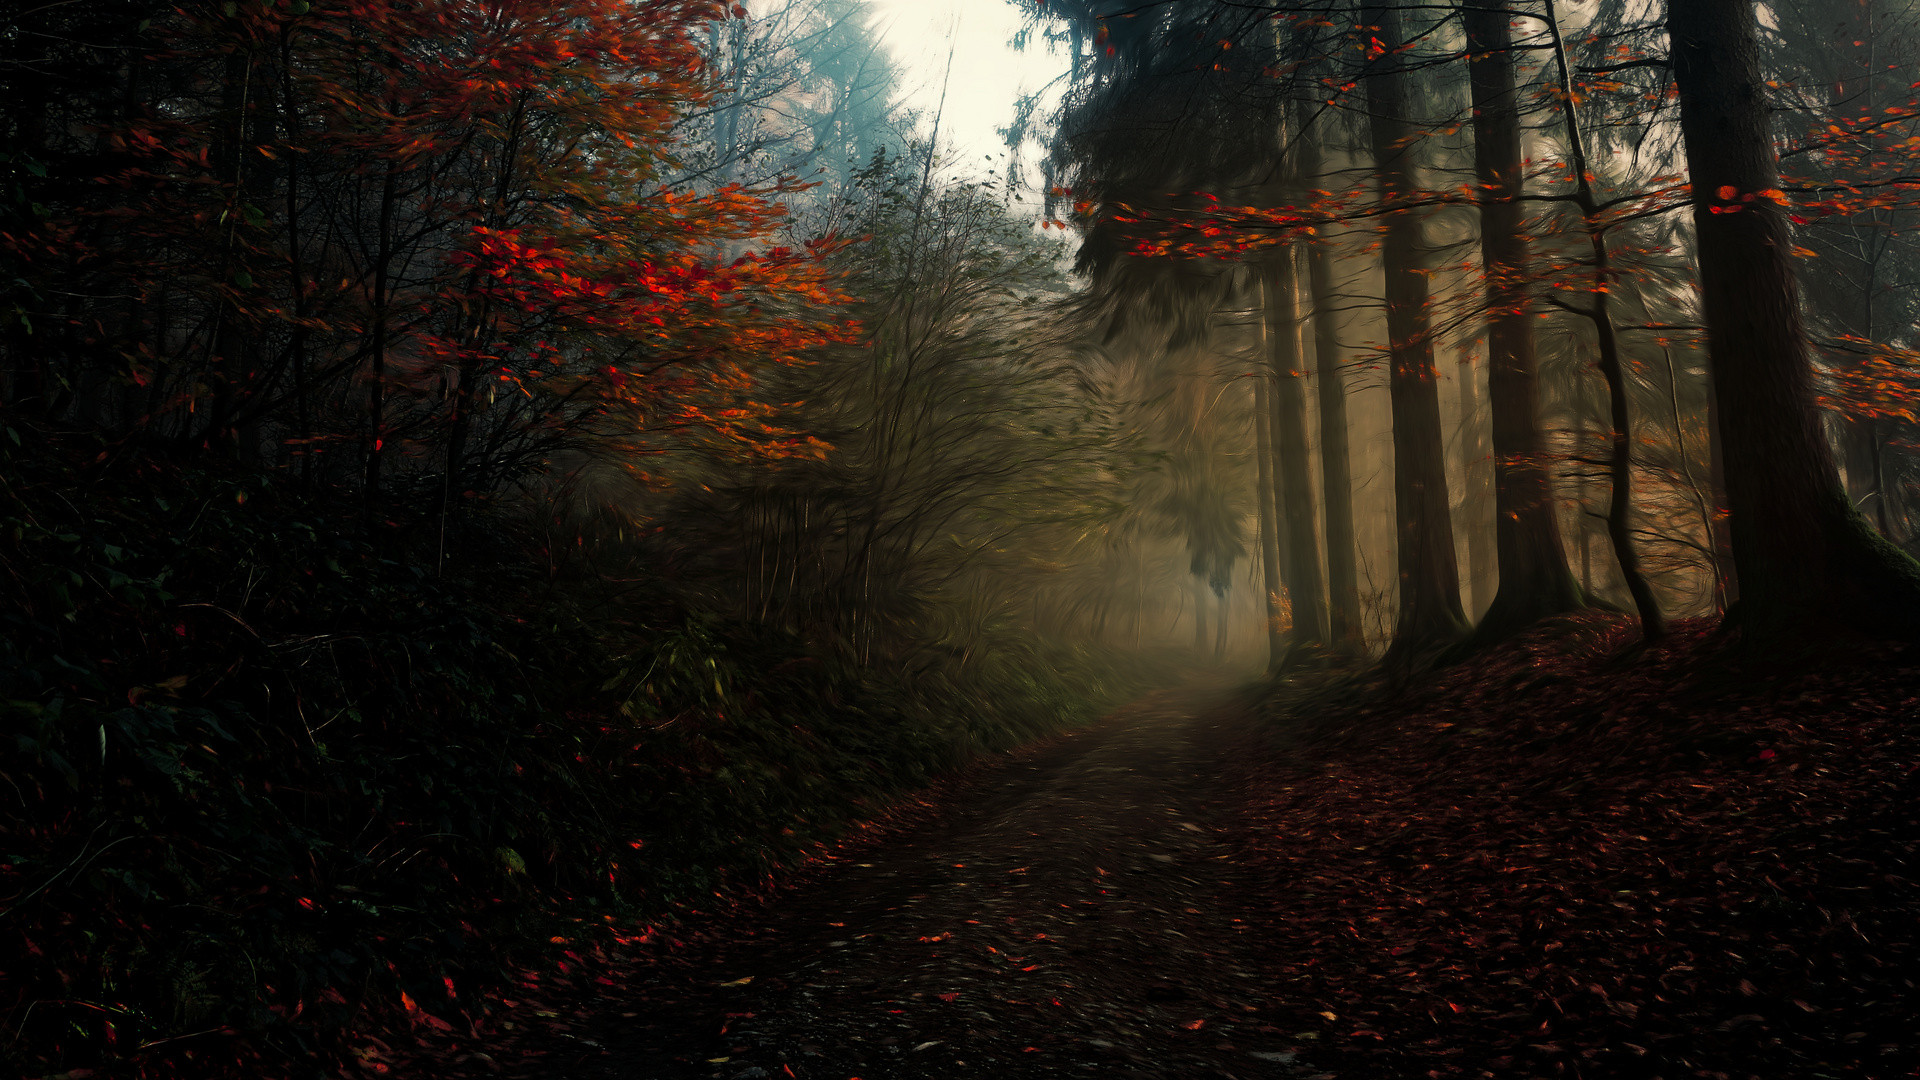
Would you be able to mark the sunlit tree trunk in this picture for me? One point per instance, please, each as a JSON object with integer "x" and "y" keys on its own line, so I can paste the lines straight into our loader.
{"x": 1292, "y": 467}
{"x": 1429, "y": 616}
{"x": 1474, "y": 503}
{"x": 1804, "y": 555}
{"x": 1534, "y": 578}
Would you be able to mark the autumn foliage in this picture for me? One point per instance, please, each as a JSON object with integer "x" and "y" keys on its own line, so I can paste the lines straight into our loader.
{"x": 420, "y": 237}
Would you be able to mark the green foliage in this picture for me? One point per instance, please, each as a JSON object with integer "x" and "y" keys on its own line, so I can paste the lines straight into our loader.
{"x": 269, "y": 772}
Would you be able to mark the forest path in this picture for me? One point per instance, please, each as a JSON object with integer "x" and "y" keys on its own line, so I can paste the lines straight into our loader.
{"x": 1078, "y": 914}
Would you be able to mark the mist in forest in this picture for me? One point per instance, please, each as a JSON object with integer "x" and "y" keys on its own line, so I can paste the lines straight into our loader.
{"x": 474, "y": 474}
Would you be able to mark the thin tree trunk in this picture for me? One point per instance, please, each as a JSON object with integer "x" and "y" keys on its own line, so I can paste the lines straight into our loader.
{"x": 1534, "y": 578}
{"x": 1430, "y": 617}
{"x": 1620, "y": 443}
{"x": 1804, "y": 555}
{"x": 1269, "y": 525}
{"x": 1292, "y": 467}
{"x": 1582, "y": 500}
{"x": 1473, "y": 502}
{"x": 1344, "y": 627}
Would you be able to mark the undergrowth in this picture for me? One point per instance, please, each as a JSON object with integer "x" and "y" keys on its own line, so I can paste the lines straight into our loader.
{"x": 279, "y": 776}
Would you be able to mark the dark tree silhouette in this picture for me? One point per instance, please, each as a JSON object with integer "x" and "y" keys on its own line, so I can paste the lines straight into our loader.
{"x": 1535, "y": 580}
{"x": 1430, "y": 615}
{"x": 1803, "y": 553}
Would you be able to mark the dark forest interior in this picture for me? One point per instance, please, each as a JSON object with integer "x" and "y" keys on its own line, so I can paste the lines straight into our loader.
{"x": 586, "y": 538}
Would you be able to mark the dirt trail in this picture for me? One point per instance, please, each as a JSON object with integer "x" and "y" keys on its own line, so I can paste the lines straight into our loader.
{"x": 1077, "y": 915}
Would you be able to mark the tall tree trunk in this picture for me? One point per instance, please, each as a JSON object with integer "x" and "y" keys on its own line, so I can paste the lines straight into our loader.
{"x": 1291, "y": 454}
{"x": 1269, "y": 523}
{"x": 1620, "y": 443}
{"x": 1344, "y": 628}
{"x": 1430, "y": 617}
{"x": 1534, "y": 578}
{"x": 1474, "y": 503}
{"x": 1804, "y": 555}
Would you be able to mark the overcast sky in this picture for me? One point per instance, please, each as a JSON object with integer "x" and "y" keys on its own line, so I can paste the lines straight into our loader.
{"x": 988, "y": 75}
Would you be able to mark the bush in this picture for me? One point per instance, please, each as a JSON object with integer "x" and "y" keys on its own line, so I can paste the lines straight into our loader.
{"x": 276, "y": 775}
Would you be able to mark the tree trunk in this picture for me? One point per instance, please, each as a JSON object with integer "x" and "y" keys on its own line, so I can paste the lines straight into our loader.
{"x": 1430, "y": 617}
{"x": 1534, "y": 578}
{"x": 1474, "y": 503}
{"x": 1269, "y": 524}
{"x": 1336, "y": 471}
{"x": 1291, "y": 454}
{"x": 1620, "y": 442}
{"x": 1804, "y": 555}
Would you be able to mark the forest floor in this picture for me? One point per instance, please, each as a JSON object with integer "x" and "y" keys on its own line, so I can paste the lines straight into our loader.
{"x": 1079, "y": 911}
{"x": 1567, "y": 857}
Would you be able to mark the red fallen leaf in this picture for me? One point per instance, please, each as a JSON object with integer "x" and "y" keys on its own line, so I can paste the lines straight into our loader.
{"x": 1194, "y": 1025}
{"x": 948, "y": 997}
{"x": 1031, "y": 967}
{"x": 407, "y": 1001}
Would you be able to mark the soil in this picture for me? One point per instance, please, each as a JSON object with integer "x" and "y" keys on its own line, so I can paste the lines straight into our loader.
{"x": 1079, "y": 911}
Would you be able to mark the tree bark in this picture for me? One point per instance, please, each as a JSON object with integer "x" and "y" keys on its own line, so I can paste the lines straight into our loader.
{"x": 1474, "y": 502}
{"x": 1429, "y": 617}
{"x": 1535, "y": 580}
{"x": 1294, "y": 496}
{"x": 1620, "y": 439}
{"x": 1344, "y": 630}
{"x": 1805, "y": 557}
{"x": 1269, "y": 523}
